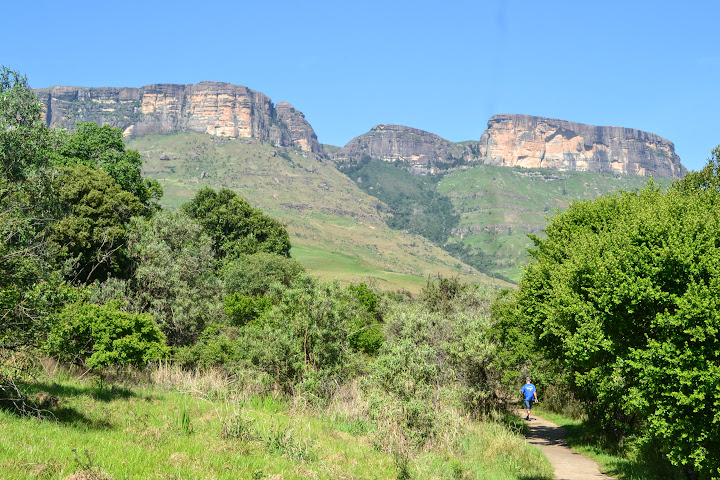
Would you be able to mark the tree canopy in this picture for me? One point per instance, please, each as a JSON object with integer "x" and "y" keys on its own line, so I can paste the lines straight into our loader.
{"x": 624, "y": 293}
{"x": 235, "y": 227}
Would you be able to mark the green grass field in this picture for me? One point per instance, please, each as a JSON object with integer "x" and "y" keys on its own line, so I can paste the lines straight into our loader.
{"x": 204, "y": 427}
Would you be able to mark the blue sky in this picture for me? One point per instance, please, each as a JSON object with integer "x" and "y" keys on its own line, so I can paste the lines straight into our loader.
{"x": 445, "y": 67}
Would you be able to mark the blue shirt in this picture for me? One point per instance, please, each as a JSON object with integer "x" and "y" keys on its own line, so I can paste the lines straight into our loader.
{"x": 528, "y": 391}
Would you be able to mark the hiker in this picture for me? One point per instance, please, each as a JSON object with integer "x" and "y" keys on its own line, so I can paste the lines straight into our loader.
{"x": 529, "y": 393}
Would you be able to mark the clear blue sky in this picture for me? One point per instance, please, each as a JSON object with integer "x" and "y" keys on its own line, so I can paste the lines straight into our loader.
{"x": 443, "y": 66}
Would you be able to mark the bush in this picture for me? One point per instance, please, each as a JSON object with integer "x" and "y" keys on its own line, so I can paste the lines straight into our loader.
{"x": 98, "y": 336}
{"x": 367, "y": 336}
{"x": 427, "y": 352}
{"x": 302, "y": 342}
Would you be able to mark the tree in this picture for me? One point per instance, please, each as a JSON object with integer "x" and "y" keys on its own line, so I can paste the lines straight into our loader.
{"x": 235, "y": 227}
{"x": 102, "y": 147}
{"x": 91, "y": 234}
{"x": 26, "y": 294}
{"x": 23, "y": 135}
{"x": 174, "y": 277}
{"x": 623, "y": 293}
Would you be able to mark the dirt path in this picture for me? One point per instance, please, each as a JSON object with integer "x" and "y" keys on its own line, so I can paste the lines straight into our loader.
{"x": 568, "y": 464}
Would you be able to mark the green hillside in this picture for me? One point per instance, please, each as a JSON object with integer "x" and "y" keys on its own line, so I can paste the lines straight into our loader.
{"x": 338, "y": 231}
{"x": 500, "y": 206}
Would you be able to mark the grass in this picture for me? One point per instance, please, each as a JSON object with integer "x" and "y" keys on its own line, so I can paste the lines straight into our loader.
{"x": 623, "y": 465}
{"x": 187, "y": 426}
{"x": 329, "y": 265}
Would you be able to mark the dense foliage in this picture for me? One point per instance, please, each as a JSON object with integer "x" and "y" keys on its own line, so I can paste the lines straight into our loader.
{"x": 98, "y": 336}
{"x": 235, "y": 227}
{"x": 623, "y": 293}
{"x": 101, "y": 147}
{"x": 413, "y": 199}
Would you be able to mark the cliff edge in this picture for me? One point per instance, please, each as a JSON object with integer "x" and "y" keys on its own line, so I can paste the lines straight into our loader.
{"x": 216, "y": 108}
{"x": 537, "y": 142}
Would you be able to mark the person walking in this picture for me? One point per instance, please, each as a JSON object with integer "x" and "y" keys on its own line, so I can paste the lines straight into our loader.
{"x": 529, "y": 393}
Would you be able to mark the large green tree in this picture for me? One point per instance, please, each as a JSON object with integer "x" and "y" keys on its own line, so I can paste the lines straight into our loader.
{"x": 102, "y": 147}
{"x": 235, "y": 227}
{"x": 91, "y": 234}
{"x": 174, "y": 275}
{"x": 624, "y": 293}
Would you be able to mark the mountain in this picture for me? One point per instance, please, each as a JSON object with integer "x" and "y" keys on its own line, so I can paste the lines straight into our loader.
{"x": 422, "y": 151}
{"x": 404, "y": 193}
{"x": 215, "y": 108}
{"x": 537, "y": 142}
{"x": 522, "y": 141}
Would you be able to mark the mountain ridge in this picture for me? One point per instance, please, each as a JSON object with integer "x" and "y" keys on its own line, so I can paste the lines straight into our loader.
{"x": 217, "y": 108}
{"x": 234, "y": 111}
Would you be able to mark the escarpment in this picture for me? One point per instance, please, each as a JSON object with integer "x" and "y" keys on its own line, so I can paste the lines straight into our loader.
{"x": 215, "y": 108}
{"x": 423, "y": 151}
{"x": 537, "y": 142}
{"x": 523, "y": 141}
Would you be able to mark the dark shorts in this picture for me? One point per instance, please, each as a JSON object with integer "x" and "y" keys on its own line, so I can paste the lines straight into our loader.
{"x": 528, "y": 404}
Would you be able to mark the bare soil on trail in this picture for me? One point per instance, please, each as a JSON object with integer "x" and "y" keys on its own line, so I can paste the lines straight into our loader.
{"x": 568, "y": 464}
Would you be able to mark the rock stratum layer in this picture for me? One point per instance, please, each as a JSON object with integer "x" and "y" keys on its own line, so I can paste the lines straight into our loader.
{"x": 524, "y": 141}
{"x": 425, "y": 152}
{"x": 537, "y": 142}
{"x": 215, "y": 108}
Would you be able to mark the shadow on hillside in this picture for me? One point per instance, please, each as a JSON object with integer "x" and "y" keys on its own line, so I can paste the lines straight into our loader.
{"x": 48, "y": 401}
{"x": 102, "y": 394}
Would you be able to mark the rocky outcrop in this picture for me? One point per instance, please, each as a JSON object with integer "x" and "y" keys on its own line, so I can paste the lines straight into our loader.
{"x": 523, "y": 141}
{"x": 215, "y": 108}
{"x": 536, "y": 142}
{"x": 424, "y": 152}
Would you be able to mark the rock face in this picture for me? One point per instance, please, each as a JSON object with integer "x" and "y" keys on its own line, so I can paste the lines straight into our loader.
{"x": 216, "y": 108}
{"x": 536, "y": 142}
{"x": 523, "y": 141}
{"x": 423, "y": 151}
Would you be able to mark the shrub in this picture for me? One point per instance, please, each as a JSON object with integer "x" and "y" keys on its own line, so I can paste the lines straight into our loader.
{"x": 98, "y": 336}
{"x": 367, "y": 336}
{"x": 241, "y": 309}
{"x": 301, "y": 342}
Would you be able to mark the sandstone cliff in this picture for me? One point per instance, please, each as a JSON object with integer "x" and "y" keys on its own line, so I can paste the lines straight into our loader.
{"x": 216, "y": 108}
{"x": 424, "y": 152}
{"x": 523, "y": 141}
{"x": 532, "y": 142}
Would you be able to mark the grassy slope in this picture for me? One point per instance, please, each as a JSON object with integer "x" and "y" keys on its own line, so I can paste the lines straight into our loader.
{"x": 499, "y": 206}
{"x": 335, "y": 228}
{"x": 159, "y": 433}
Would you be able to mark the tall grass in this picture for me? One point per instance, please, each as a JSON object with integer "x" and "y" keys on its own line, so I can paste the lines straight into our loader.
{"x": 173, "y": 423}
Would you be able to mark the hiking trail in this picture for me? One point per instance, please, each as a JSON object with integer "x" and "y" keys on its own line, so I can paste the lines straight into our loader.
{"x": 568, "y": 464}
